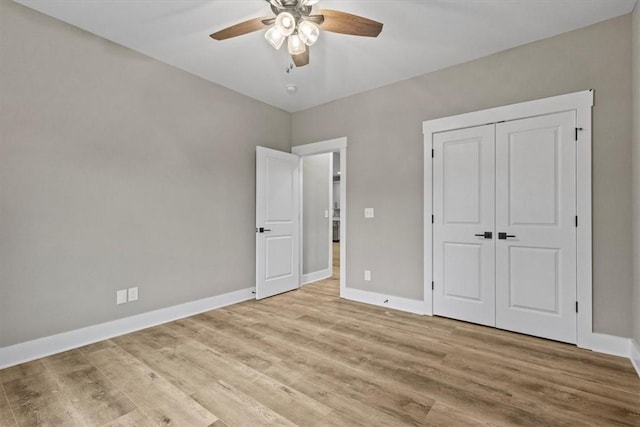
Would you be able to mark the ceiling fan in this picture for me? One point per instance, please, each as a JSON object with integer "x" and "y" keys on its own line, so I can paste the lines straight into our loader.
{"x": 294, "y": 22}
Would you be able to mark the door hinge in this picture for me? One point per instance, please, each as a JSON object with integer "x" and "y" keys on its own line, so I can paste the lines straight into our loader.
{"x": 576, "y": 220}
{"x": 577, "y": 130}
{"x": 433, "y": 286}
{"x": 576, "y": 306}
{"x": 433, "y": 219}
{"x": 433, "y": 153}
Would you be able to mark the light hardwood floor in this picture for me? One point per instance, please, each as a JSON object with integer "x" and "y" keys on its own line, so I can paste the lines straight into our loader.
{"x": 308, "y": 358}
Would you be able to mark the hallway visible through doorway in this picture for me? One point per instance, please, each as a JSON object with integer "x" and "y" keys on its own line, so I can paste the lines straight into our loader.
{"x": 323, "y": 213}
{"x": 331, "y": 285}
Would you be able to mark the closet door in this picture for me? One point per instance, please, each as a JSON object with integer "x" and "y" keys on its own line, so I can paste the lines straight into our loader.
{"x": 463, "y": 199}
{"x": 535, "y": 226}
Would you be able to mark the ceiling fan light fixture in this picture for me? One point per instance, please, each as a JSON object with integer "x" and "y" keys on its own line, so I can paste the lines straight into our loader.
{"x": 275, "y": 37}
{"x": 295, "y": 45}
{"x": 308, "y": 32}
{"x": 285, "y": 23}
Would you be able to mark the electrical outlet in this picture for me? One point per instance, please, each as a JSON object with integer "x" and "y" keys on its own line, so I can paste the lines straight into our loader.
{"x": 367, "y": 275}
{"x": 121, "y": 296}
{"x": 368, "y": 213}
{"x": 133, "y": 294}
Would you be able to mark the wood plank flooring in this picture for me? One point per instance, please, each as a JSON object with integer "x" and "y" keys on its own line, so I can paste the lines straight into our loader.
{"x": 308, "y": 358}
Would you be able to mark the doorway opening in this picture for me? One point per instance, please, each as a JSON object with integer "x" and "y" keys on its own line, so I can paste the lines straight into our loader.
{"x": 323, "y": 214}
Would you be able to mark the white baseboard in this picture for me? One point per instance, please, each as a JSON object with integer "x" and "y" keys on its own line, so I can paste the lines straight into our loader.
{"x": 315, "y": 276}
{"x": 635, "y": 355}
{"x": 42, "y": 347}
{"x": 607, "y": 344}
{"x": 382, "y": 300}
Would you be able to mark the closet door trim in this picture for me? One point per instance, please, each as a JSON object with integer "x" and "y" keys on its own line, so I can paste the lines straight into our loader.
{"x": 580, "y": 102}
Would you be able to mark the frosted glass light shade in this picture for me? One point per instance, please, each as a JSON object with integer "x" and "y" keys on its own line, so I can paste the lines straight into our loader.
{"x": 275, "y": 37}
{"x": 295, "y": 44}
{"x": 309, "y": 2}
{"x": 308, "y": 32}
{"x": 285, "y": 23}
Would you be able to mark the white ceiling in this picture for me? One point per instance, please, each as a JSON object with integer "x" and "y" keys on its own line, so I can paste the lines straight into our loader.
{"x": 418, "y": 37}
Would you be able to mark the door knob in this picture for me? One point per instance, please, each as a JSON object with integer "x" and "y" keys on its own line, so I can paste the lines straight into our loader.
{"x": 504, "y": 236}
{"x": 486, "y": 235}
{"x": 262, "y": 230}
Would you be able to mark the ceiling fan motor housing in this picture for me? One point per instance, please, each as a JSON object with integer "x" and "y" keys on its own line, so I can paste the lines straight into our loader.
{"x": 298, "y": 10}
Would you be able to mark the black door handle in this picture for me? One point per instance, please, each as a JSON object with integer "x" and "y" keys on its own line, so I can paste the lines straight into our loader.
{"x": 504, "y": 236}
{"x": 486, "y": 235}
{"x": 262, "y": 230}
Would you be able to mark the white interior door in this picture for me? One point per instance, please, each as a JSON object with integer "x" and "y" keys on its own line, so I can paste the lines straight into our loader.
{"x": 535, "y": 211}
{"x": 277, "y": 222}
{"x": 463, "y": 203}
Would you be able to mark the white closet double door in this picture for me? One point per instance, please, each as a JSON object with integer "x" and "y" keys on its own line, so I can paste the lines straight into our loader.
{"x": 504, "y": 232}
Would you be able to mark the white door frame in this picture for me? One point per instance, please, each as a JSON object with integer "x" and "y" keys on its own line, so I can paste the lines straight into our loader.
{"x": 330, "y": 146}
{"x": 581, "y": 103}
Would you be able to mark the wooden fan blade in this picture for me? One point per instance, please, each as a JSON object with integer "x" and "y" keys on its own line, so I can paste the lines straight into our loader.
{"x": 346, "y": 23}
{"x": 245, "y": 27}
{"x": 302, "y": 59}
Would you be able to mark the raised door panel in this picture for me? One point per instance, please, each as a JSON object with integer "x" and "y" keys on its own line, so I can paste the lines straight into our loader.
{"x": 462, "y": 191}
{"x": 533, "y": 176}
{"x": 463, "y": 195}
{"x": 535, "y": 207}
{"x": 462, "y": 271}
{"x": 279, "y": 256}
{"x": 534, "y": 279}
{"x": 280, "y": 191}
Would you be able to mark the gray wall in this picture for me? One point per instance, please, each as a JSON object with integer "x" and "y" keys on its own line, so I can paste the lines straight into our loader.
{"x": 316, "y": 200}
{"x": 384, "y": 128}
{"x": 636, "y": 171}
{"x": 117, "y": 171}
